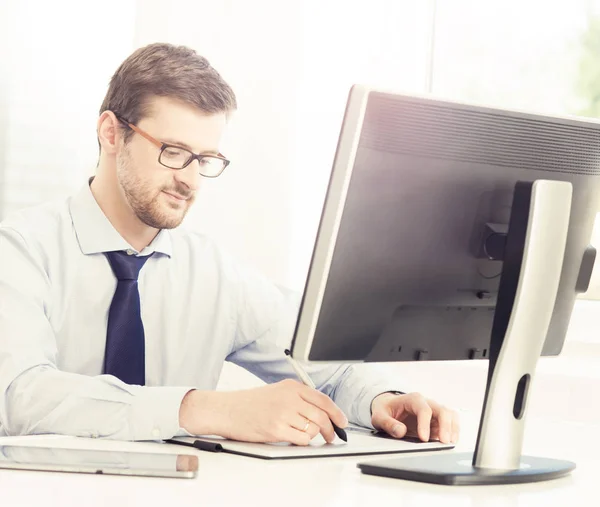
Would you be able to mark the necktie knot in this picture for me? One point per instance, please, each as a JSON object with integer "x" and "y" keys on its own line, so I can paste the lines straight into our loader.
{"x": 124, "y": 266}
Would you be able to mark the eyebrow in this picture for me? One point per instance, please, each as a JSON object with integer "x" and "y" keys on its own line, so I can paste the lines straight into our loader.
{"x": 188, "y": 147}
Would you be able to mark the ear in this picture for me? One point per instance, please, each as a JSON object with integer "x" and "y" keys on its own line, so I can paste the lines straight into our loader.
{"x": 109, "y": 134}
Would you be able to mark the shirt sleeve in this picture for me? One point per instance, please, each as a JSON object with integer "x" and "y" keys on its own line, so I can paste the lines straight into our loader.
{"x": 266, "y": 321}
{"x": 37, "y": 398}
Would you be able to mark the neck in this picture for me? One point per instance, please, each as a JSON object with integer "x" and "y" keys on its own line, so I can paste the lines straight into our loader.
{"x": 109, "y": 196}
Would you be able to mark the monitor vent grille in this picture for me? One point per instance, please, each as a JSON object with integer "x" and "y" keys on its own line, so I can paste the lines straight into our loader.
{"x": 412, "y": 126}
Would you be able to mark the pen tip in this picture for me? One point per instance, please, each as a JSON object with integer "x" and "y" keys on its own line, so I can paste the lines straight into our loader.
{"x": 287, "y": 352}
{"x": 341, "y": 433}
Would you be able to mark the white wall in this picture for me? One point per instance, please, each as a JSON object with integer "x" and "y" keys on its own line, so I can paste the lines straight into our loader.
{"x": 57, "y": 58}
{"x": 4, "y": 41}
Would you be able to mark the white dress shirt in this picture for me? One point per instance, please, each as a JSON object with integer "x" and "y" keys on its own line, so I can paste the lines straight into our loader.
{"x": 199, "y": 308}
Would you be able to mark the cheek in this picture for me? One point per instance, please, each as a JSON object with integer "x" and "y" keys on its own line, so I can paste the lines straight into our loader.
{"x": 143, "y": 157}
{"x": 147, "y": 172}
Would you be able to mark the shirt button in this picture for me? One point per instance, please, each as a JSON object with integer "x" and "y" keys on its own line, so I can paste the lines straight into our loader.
{"x": 156, "y": 433}
{"x": 130, "y": 251}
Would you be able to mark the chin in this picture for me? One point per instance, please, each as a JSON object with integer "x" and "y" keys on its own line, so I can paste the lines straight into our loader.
{"x": 170, "y": 220}
{"x": 162, "y": 219}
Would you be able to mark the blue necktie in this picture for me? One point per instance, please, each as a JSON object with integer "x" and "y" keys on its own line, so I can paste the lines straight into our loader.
{"x": 125, "y": 342}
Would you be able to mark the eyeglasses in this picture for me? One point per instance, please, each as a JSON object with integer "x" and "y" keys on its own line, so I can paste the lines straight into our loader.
{"x": 176, "y": 157}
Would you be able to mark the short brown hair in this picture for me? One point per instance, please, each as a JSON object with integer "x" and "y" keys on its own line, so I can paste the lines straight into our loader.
{"x": 166, "y": 70}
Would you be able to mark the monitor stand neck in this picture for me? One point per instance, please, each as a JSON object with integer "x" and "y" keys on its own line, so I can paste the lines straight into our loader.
{"x": 533, "y": 260}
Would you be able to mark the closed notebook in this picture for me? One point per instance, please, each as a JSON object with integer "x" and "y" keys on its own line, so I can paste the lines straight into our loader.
{"x": 360, "y": 441}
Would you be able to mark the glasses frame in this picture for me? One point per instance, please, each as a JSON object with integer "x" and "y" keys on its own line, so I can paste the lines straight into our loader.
{"x": 163, "y": 146}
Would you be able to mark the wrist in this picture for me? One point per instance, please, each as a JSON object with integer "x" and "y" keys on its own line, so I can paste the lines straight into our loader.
{"x": 203, "y": 412}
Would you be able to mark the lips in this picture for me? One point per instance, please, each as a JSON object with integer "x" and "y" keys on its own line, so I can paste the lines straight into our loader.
{"x": 176, "y": 196}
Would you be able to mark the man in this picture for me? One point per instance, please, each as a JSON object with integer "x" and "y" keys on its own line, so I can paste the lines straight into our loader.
{"x": 115, "y": 323}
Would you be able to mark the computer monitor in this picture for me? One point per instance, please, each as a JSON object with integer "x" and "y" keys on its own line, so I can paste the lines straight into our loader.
{"x": 449, "y": 232}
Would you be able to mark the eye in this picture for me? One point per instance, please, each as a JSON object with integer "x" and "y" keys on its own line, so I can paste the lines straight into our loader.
{"x": 173, "y": 153}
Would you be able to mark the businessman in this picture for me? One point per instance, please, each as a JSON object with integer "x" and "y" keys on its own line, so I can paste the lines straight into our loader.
{"x": 115, "y": 322}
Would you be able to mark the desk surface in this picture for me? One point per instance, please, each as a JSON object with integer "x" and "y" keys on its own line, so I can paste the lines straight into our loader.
{"x": 236, "y": 480}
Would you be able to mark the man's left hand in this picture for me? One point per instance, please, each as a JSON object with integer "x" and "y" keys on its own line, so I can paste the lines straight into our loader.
{"x": 412, "y": 414}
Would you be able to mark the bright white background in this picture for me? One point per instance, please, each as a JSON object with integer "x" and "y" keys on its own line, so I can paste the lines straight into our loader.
{"x": 291, "y": 64}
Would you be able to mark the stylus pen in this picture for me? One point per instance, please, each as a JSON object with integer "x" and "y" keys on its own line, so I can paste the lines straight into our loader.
{"x": 306, "y": 380}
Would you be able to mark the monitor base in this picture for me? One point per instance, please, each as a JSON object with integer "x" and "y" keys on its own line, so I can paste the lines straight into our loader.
{"x": 456, "y": 469}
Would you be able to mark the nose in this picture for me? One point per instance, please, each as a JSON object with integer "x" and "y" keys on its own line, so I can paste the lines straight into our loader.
{"x": 189, "y": 176}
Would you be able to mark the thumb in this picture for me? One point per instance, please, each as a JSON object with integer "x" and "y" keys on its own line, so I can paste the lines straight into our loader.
{"x": 391, "y": 426}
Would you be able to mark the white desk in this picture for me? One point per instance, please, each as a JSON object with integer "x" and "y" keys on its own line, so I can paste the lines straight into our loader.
{"x": 235, "y": 480}
{"x": 564, "y": 423}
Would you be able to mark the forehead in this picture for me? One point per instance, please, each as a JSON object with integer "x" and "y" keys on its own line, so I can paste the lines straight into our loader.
{"x": 176, "y": 122}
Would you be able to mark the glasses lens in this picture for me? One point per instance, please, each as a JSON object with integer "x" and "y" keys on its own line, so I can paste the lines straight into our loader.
{"x": 175, "y": 158}
{"x": 211, "y": 166}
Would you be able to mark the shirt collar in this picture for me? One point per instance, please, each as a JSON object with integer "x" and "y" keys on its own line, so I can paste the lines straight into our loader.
{"x": 96, "y": 234}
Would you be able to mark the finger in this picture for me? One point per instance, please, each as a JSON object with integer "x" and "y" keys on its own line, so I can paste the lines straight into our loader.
{"x": 391, "y": 426}
{"x": 434, "y": 429}
{"x": 418, "y": 406}
{"x": 455, "y": 427}
{"x": 294, "y": 436}
{"x": 313, "y": 430}
{"x": 444, "y": 420}
{"x": 326, "y": 404}
{"x": 300, "y": 422}
{"x": 320, "y": 418}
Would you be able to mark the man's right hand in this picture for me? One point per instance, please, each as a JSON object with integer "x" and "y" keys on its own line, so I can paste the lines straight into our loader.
{"x": 273, "y": 413}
